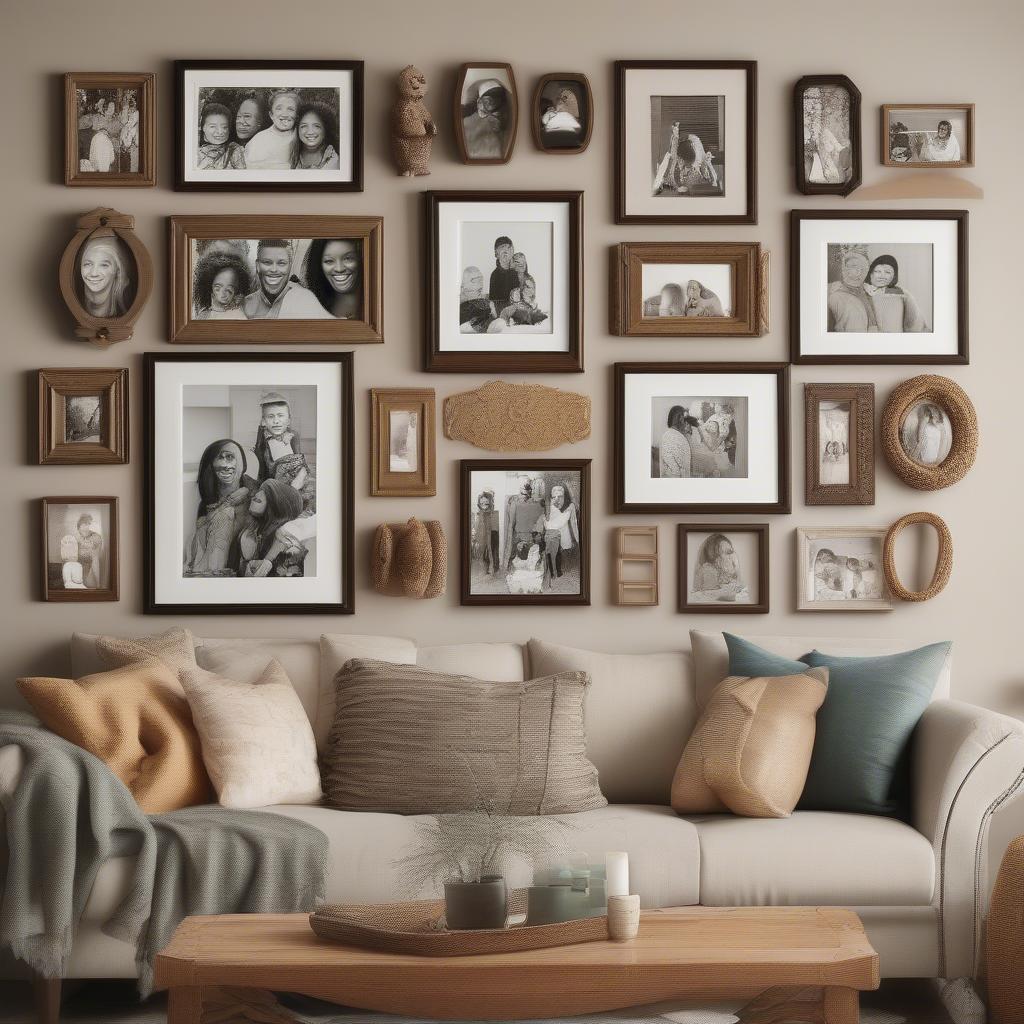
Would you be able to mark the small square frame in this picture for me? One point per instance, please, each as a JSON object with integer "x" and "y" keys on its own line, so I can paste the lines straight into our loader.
{"x": 761, "y": 606}
{"x": 112, "y": 592}
{"x": 861, "y": 488}
{"x": 54, "y": 388}
{"x": 637, "y": 546}
{"x": 384, "y": 482}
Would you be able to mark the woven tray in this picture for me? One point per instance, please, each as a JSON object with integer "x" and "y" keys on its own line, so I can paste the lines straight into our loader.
{"x": 418, "y": 928}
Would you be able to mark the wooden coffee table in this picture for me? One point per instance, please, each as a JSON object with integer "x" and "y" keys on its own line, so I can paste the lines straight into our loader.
{"x": 794, "y": 963}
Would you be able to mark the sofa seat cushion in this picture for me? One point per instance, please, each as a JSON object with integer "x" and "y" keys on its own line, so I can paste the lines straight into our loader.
{"x": 813, "y": 857}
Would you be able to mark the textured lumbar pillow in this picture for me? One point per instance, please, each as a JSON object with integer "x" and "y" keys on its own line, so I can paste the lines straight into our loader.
{"x": 135, "y": 719}
{"x": 175, "y": 648}
{"x": 411, "y": 741}
{"x": 257, "y": 742}
{"x": 750, "y": 749}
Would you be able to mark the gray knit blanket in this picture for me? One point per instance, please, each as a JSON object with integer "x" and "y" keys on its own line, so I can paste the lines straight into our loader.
{"x": 69, "y": 814}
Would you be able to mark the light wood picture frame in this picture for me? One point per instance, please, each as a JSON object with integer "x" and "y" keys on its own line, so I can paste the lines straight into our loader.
{"x": 552, "y": 136}
{"x": 403, "y": 442}
{"x": 714, "y": 578}
{"x": 841, "y": 569}
{"x": 83, "y": 416}
{"x": 636, "y": 566}
{"x": 122, "y": 139}
{"x": 485, "y": 112}
{"x": 79, "y": 548}
{"x": 839, "y": 449}
{"x": 904, "y": 148}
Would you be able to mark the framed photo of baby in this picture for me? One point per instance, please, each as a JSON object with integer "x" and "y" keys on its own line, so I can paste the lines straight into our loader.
{"x": 79, "y": 549}
{"x": 525, "y": 531}
{"x": 841, "y": 569}
{"x": 269, "y": 125}
{"x": 249, "y": 483}
{"x": 723, "y": 568}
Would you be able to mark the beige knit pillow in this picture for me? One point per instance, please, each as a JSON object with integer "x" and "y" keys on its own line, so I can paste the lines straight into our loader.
{"x": 751, "y": 748}
{"x": 175, "y": 648}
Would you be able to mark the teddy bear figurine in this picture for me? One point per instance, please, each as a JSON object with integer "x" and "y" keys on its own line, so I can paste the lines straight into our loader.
{"x": 412, "y": 127}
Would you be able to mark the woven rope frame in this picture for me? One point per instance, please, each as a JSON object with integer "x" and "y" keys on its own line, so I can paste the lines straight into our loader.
{"x": 943, "y": 561}
{"x": 953, "y": 400}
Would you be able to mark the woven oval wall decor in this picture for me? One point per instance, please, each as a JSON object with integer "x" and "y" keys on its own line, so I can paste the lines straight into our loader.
{"x": 943, "y": 561}
{"x": 914, "y": 447}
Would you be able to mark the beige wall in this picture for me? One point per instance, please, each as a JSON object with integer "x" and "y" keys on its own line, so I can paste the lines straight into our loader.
{"x": 896, "y": 50}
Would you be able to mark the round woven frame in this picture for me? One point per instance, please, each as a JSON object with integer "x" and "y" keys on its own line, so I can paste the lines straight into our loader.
{"x": 953, "y": 400}
{"x": 943, "y": 562}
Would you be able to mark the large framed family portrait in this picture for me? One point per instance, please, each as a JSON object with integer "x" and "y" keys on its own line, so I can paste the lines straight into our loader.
{"x": 702, "y": 437}
{"x": 878, "y": 286}
{"x": 248, "y": 481}
{"x": 504, "y": 283}
{"x": 686, "y": 142}
{"x": 287, "y": 279}
{"x": 268, "y": 125}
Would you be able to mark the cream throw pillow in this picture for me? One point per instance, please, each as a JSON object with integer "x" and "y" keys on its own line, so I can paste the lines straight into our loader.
{"x": 751, "y": 748}
{"x": 257, "y": 741}
{"x": 175, "y": 648}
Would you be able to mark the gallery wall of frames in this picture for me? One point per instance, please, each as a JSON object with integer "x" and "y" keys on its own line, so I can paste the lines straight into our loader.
{"x": 553, "y": 311}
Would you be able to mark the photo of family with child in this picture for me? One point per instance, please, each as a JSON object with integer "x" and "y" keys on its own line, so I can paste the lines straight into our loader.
{"x": 699, "y": 437}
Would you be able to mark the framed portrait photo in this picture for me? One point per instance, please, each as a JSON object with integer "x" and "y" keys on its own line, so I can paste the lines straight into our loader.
{"x": 110, "y": 129}
{"x": 878, "y": 286}
{"x": 841, "y": 569}
{"x": 689, "y": 289}
{"x": 925, "y": 135}
{"x": 83, "y": 417}
{"x": 504, "y": 288}
{"x": 268, "y": 125}
{"x": 839, "y": 429}
{"x": 826, "y": 109}
{"x": 723, "y": 568}
{"x": 525, "y": 531}
{"x": 403, "y": 449}
{"x": 486, "y": 114}
{"x": 79, "y": 551}
{"x": 562, "y": 118}
{"x": 702, "y": 437}
{"x": 686, "y": 142}
{"x": 248, "y": 483}
{"x": 277, "y": 278}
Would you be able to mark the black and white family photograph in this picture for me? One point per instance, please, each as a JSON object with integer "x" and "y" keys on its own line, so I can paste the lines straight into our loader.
{"x": 723, "y": 567}
{"x": 686, "y": 290}
{"x": 928, "y": 136}
{"x": 249, "y": 480}
{"x": 403, "y": 435}
{"x": 880, "y": 288}
{"x": 699, "y": 436}
{"x": 827, "y": 135}
{"x": 688, "y": 146}
{"x": 108, "y": 130}
{"x": 563, "y": 112}
{"x": 83, "y": 418}
{"x": 842, "y": 569}
{"x": 833, "y": 442}
{"x": 488, "y": 110}
{"x": 107, "y": 279}
{"x": 81, "y": 548}
{"x": 926, "y": 433}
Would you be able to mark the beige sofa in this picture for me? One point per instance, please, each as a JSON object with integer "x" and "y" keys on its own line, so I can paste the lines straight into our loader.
{"x": 920, "y": 888}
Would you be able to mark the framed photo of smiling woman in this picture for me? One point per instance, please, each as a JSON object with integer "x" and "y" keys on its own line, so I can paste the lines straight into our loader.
{"x": 276, "y": 278}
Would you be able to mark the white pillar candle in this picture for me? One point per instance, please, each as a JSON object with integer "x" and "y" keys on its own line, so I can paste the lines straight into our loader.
{"x": 617, "y": 872}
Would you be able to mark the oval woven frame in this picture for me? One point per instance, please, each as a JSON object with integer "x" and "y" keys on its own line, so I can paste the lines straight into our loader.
{"x": 943, "y": 561}
{"x": 963, "y": 422}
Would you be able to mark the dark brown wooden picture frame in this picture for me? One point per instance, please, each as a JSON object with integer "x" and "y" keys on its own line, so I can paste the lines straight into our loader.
{"x": 496, "y": 360}
{"x": 803, "y": 184}
{"x": 966, "y": 154}
{"x": 346, "y": 528}
{"x": 749, "y": 270}
{"x": 759, "y": 607}
{"x": 861, "y": 434}
{"x": 182, "y": 67}
{"x": 583, "y": 502}
{"x": 587, "y": 126}
{"x": 962, "y": 355}
{"x": 54, "y": 388}
{"x": 145, "y": 83}
{"x": 781, "y": 505}
{"x": 108, "y": 593}
{"x": 458, "y": 111}
{"x": 622, "y": 69}
{"x": 385, "y": 482}
{"x": 184, "y": 329}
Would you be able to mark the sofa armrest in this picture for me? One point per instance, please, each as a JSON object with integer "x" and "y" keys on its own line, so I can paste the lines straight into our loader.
{"x": 968, "y": 764}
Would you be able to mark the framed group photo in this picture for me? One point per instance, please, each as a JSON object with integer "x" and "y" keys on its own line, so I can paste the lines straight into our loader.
{"x": 249, "y": 496}
{"x": 723, "y": 568}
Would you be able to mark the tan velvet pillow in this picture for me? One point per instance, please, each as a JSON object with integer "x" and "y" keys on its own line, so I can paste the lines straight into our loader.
{"x": 134, "y": 719}
{"x": 751, "y": 747}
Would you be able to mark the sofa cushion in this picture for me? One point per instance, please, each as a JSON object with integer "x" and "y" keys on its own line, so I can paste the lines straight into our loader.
{"x": 502, "y": 662}
{"x": 813, "y": 857}
{"x": 92, "y": 652}
{"x": 636, "y": 703}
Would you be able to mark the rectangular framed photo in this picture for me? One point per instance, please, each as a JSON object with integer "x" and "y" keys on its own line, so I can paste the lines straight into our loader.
{"x": 689, "y": 289}
{"x": 702, "y": 437}
{"x": 248, "y": 483}
{"x": 928, "y": 135}
{"x": 268, "y": 125}
{"x": 110, "y": 129}
{"x": 840, "y": 569}
{"x": 504, "y": 289}
{"x": 83, "y": 417}
{"x": 403, "y": 451}
{"x": 878, "y": 286}
{"x": 723, "y": 568}
{"x": 278, "y": 278}
{"x": 79, "y": 548}
{"x": 686, "y": 142}
{"x": 525, "y": 531}
{"x": 486, "y": 114}
{"x": 826, "y": 111}
{"x": 839, "y": 431}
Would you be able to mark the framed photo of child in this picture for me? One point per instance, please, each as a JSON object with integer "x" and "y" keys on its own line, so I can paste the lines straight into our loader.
{"x": 504, "y": 282}
{"x": 525, "y": 531}
{"x": 249, "y": 500}
{"x": 723, "y": 568}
